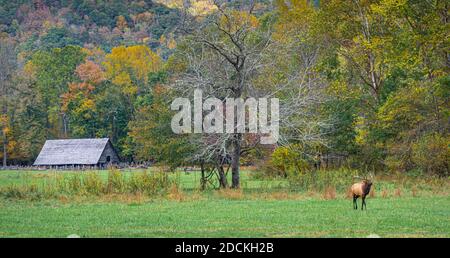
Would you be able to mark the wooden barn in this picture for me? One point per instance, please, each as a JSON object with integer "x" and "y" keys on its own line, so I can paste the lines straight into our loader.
{"x": 76, "y": 153}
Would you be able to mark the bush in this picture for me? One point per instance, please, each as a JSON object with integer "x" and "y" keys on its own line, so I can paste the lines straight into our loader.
{"x": 149, "y": 183}
{"x": 74, "y": 184}
{"x": 116, "y": 182}
{"x": 284, "y": 159}
{"x": 432, "y": 154}
{"x": 91, "y": 183}
{"x": 321, "y": 179}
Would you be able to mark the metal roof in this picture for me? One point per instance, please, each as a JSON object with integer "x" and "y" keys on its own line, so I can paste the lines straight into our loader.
{"x": 71, "y": 152}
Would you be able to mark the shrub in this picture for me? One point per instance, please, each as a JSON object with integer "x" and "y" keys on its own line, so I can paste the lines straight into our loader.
{"x": 75, "y": 184}
{"x": 432, "y": 154}
{"x": 321, "y": 179}
{"x": 149, "y": 183}
{"x": 282, "y": 160}
{"x": 92, "y": 183}
{"x": 22, "y": 192}
{"x": 116, "y": 182}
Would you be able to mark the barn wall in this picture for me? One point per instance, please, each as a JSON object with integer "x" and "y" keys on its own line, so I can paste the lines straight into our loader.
{"x": 108, "y": 151}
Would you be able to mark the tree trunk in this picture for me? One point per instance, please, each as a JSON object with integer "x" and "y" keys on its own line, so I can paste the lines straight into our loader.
{"x": 203, "y": 179}
{"x": 222, "y": 178}
{"x": 5, "y": 140}
{"x": 235, "y": 160}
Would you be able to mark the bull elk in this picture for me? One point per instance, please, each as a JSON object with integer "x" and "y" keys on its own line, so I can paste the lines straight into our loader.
{"x": 361, "y": 189}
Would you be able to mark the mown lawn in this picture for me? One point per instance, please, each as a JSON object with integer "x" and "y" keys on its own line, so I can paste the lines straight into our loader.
{"x": 257, "y": 212}
{"x": 391, "y": 217}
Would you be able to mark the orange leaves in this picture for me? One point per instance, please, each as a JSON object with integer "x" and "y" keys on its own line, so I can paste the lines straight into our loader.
{"x": 90, "y": 72}
{"x": 84, "y": 89}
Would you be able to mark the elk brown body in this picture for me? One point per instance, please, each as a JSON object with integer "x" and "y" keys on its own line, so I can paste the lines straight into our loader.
{"x": 361, "y": 189}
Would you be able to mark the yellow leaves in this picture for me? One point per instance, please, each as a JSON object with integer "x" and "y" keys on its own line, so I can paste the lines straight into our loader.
{"x": 295, "y": 19}
{"x": 361, "y": 131}
{"x": 88, "y": 104}
{"x": 170, "y": 42}
{"x": 121, "y": 23}
{"x": 202, "y": 7}
{"x": 76, "y": 90}
{"x": 11, "y": 145}
{"x": 130, "y": 90}
{"x": 4, "y": 124}
{"x": 128, "y": 66}
{"x": 138, "y": 58}
{"x": 196, "y": 8}
{"x": 162, "y": 39}
{"x": 385, "y": 6}
{"x": 122, "y": 79}
{"x": 342, "y": 90}
{"x": 30, "y": 69}
{"x": 171, "y": 3}
{"x": 237, "y": 20}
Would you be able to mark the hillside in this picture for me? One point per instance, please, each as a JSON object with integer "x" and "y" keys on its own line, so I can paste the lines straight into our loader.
{"x": 40, "y": 24}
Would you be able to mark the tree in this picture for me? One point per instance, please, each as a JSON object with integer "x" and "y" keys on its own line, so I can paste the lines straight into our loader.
{"x": 129, "y": 67}
{"x": 8, "y": 65}
{"x": 152, "y": 135}
{"x": 222, "y": 52}
{"x": 80, "y": 100}
{"x": 57, "y": 38}
{"x": 231, "y": 54}
{"x": 54, "y": 70}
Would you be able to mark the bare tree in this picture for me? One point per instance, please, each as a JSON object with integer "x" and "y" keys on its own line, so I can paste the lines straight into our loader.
{"x": 228, "y": 54}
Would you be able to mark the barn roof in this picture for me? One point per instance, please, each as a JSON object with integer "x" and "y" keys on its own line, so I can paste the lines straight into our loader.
{"x": 71, "y": 152}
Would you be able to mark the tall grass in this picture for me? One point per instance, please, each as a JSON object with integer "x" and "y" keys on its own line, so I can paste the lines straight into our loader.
{"x": 321, "y": 180}
{"x": 91, "y": 184}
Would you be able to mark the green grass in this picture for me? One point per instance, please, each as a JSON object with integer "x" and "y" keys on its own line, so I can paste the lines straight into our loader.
{"x": 396, "y": 217}
{"x": 188, "y": 181}
{"x": 254, "y": 213}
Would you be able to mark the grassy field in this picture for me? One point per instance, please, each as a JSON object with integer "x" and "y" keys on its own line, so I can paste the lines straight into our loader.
{"x": 255, "y": 212}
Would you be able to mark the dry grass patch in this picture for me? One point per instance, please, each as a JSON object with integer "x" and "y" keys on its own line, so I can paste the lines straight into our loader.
{"x": 231, "y": 194}
{"x": 398, "y": 192}
{"x": 329, "y": 193}
{"x": 176, "y": 194}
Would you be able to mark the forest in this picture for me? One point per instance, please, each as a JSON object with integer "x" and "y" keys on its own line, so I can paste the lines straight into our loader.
{"x": 362, "y": 84}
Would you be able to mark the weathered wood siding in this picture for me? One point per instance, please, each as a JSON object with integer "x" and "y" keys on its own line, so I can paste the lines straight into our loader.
{"x": 76, "y": 152}
{"x": 108, "y": 151}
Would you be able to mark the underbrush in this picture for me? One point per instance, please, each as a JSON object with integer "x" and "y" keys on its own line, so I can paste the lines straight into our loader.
{"x": 142, "y": 186}
{"x": 90, "y": 184}
{"x": 331, "y": 184}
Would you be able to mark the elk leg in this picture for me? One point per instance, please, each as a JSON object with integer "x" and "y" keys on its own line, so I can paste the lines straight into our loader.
{"x": 355, "y": 203}
{"x": 363, "y": 203}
